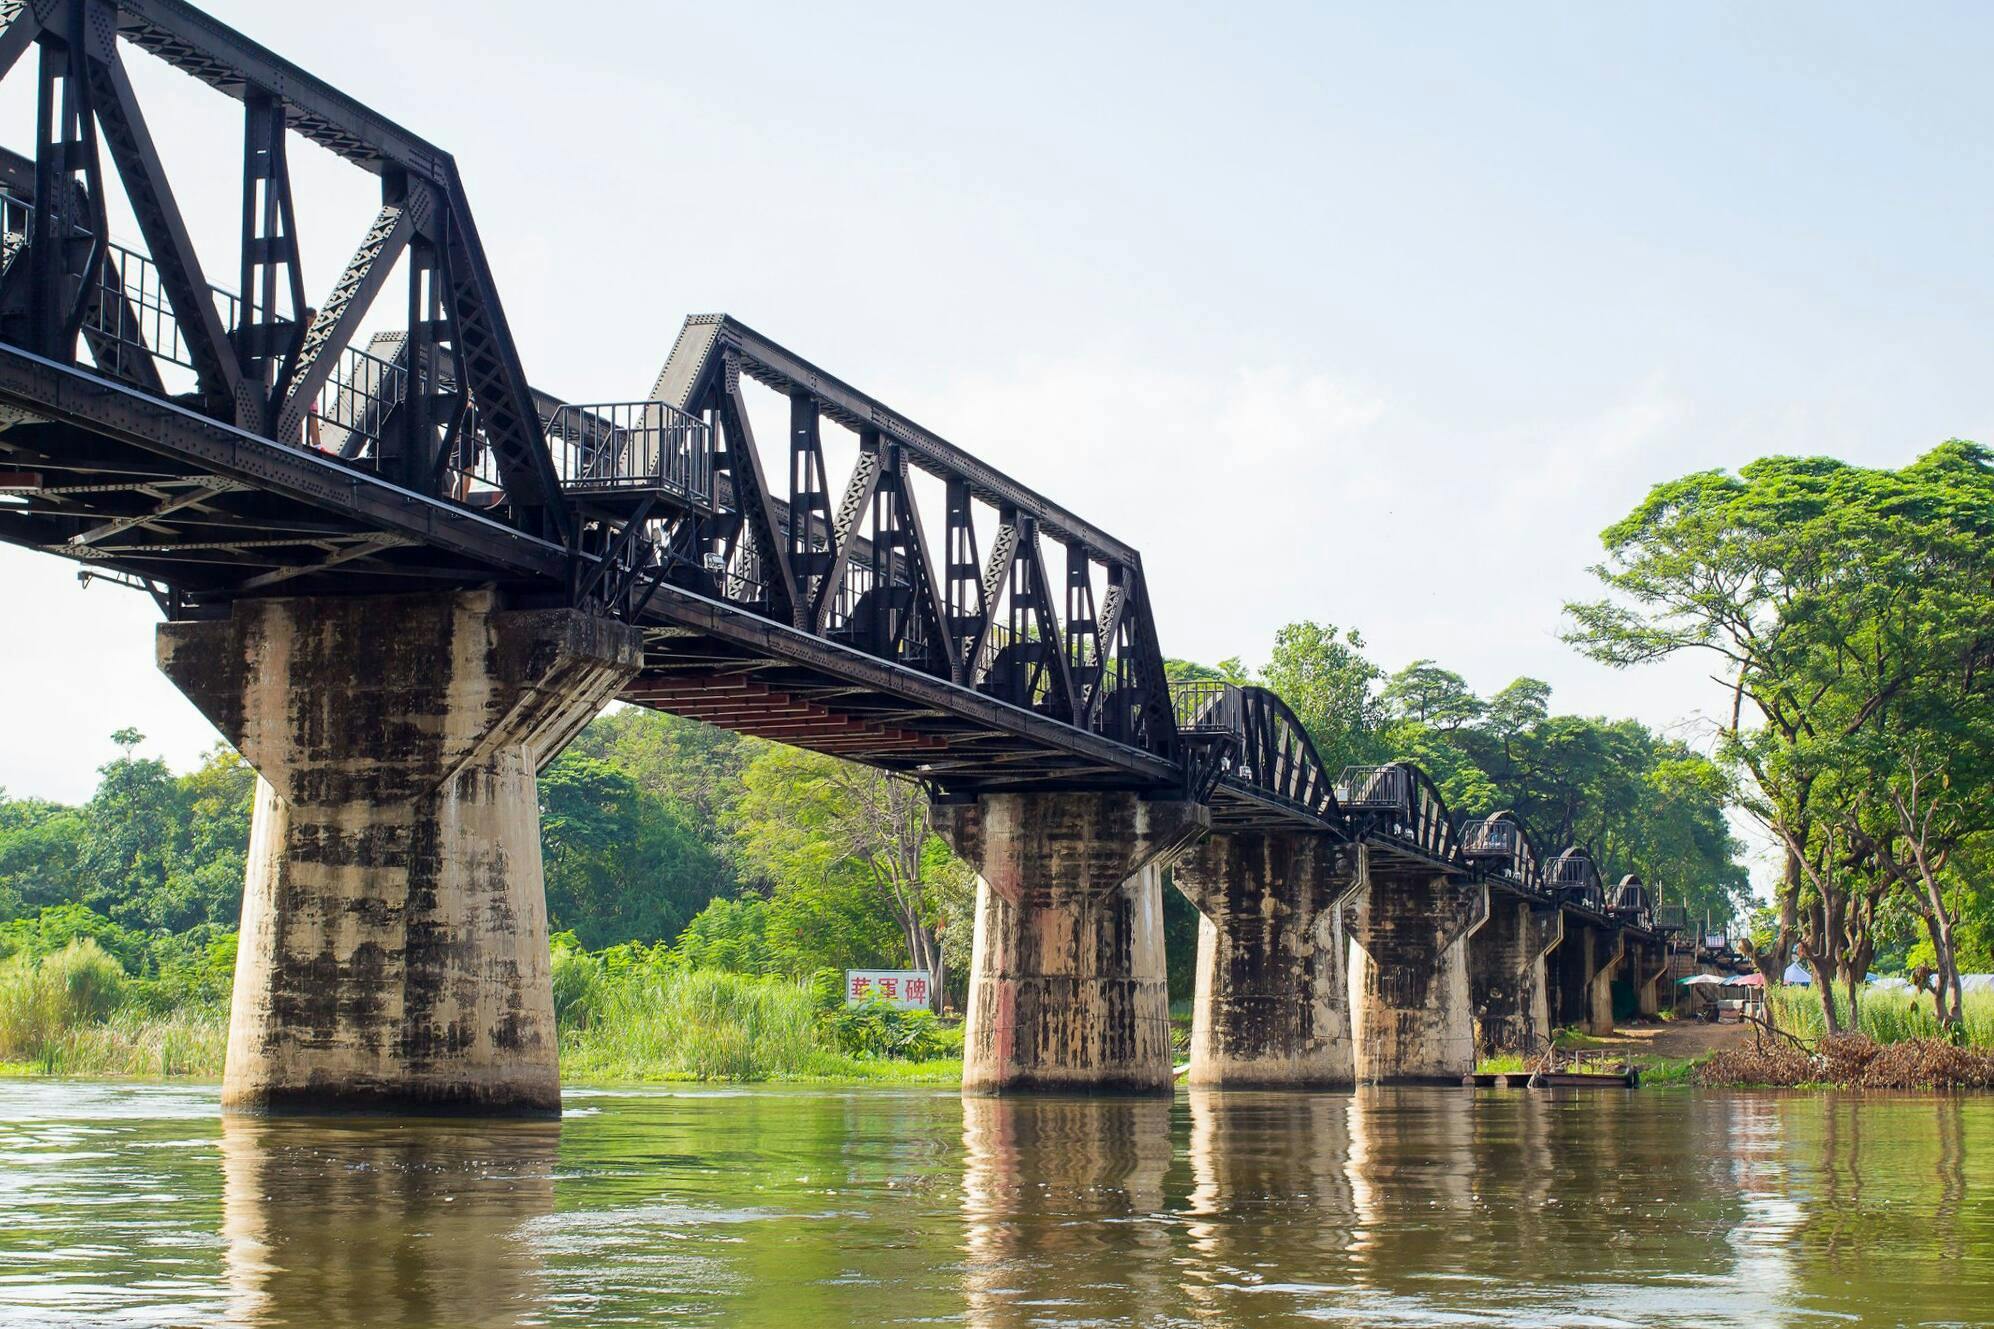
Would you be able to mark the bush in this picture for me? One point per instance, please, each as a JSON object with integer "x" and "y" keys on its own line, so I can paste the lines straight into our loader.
{"x": 1854, "y": 1061}
{"x": 878, "y": 1028}
{"x": 41, "y": 999}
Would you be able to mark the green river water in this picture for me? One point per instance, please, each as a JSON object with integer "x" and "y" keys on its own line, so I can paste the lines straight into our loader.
{"x": 141, "y": 1205}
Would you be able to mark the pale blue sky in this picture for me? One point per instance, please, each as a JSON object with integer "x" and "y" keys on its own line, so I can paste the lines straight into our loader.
{"x": 1370, "y": 315}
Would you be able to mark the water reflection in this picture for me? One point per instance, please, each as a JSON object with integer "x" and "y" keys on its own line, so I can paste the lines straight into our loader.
{"x": 129, "y": 1205}
{"x": 379, "y": 1221}
{"x": 1272, "y": 1195}
{"x": 1062, "y": 1205}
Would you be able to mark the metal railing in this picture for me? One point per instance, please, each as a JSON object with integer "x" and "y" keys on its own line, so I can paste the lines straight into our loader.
{"x": 130, "y": 306}
{"x": 356, "y": 400}
{"x": 1375, "y": 787}
{"x": 633, "y": 445}
{"x": 1489, "y": 837}
{"x": 1205, "y": 706}
{"x": 1671, "y": 918}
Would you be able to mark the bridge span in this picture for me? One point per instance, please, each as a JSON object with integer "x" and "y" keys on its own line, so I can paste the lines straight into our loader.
{"x": 399, "y": 575}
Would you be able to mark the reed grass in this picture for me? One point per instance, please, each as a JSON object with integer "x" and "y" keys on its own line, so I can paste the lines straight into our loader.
{"x": 666, "y": 1024}
{"x": 1882, "y": 1017}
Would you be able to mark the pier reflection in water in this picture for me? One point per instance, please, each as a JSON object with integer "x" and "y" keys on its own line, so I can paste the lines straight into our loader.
{"x": 138, "y": 1205}
{"x": 383, "y": 1221}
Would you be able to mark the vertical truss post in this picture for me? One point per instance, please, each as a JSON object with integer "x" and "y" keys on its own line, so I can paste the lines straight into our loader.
{"x": 267, "y": 337}
{"x": 408, "y": 449}
{"x": 66, "y": 247}
{"x": 810, "y": 554}
{"x": 1083, "y": 642}
{"x": 968, "y": 613}
{"x": 159, "y": 221}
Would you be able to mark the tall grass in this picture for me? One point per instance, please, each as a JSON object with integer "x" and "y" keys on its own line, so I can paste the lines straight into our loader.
{"x": 1883, "y": 1017}
{"x": 65, "y": 1014}
{"x": 704, "y": 1025}
{"x": 657, "y": 1023}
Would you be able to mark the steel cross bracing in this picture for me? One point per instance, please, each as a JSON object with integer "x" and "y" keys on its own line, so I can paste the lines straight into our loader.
{"x": 926, "y": 613}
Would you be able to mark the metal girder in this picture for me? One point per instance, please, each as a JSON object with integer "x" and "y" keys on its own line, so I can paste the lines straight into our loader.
{"x": 159, "y": 220}
{"x": 489, "y": 365}
{"x": 78, "y": 398}
{"x": 765, "y": 360}
{"x": 359, "y": 547}
{"x": 230, "y": 63}
{"x": 743, "y": 465}
{"x": 23, "y": 23}
{"x": 200, "y": 490}
{"x": 845, "y": 527}
{"x": 333, "y": 326}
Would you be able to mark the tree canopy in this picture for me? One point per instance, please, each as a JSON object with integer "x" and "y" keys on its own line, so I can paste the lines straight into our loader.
{"x": 1849, "y": 614}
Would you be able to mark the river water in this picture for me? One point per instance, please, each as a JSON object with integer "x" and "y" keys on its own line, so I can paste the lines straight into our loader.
{"x": 141, "y": 1205}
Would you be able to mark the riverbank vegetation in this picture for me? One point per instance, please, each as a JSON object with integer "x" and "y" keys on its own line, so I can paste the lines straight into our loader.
{"x": 1849, "y": 612}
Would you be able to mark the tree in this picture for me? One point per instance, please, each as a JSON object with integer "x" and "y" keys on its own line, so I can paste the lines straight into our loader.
{"x": 620, "y": 864}
{"x": 813, "y": 824}
{"x": 1436, "y": 698}
{"x": 692, "y": 767}
{"x": 1849, "y": 611}
{"x": 1326, "y": 680}
{"x": 132, "y": 827}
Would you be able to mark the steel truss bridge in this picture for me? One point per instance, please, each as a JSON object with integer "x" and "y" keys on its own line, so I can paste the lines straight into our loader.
{"x": 932, "y": 616}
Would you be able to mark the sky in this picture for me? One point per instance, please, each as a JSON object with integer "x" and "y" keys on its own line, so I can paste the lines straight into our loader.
{"x": 1371, "y": 315}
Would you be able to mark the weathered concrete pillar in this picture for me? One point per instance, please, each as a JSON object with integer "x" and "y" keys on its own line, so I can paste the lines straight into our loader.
{"x": 1599, "y": 986}
{"x": 1410, "y": 1012}
{"x": 1507, "y": 979}
{"x": 394, "y": 919}
{"x": 1066, "y": 987}
{"x": 1650, "y": 966}
{"x": 1273, "y": 1002}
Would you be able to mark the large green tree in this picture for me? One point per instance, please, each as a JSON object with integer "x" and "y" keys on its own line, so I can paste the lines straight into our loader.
{"x": 819, "y": 827}
{"x": 1850, "y": 614}
{"x": 621, "y": 864}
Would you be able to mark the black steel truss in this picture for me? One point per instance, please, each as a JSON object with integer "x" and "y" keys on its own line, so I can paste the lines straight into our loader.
{"x": 206, "y": 445}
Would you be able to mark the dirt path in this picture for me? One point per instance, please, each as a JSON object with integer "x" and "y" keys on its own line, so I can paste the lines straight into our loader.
{"x": 1675, "y": 1039}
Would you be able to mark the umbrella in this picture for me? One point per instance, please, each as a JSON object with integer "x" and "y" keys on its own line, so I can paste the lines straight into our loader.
{"x": 1746, "y": 981}
{"x": 1797, "y": 974}
{"x": 1701, "y": 978}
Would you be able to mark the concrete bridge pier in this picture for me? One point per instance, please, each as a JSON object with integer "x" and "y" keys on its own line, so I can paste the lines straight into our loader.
{"x": 1507, "y": 976}
{"x": 1273, "y": 995}
{"x": 1411, "y": 1016}
{"x": 394, "y": 919}
{"x": 1650, "y": 965}
{"x": 1066, "y": 987}
{"x": 1607, "y": 955}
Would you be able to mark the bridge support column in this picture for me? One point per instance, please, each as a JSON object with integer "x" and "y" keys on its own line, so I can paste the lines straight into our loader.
{"x": 394, "y": 919}
{"x": 1507, "y": 977}
{"x": 1273, "y": 1003}
{"x": 1410, "y": 1012}
{"x": 1651, "y": 965}
{"x": 1607, "y": 955}
{"x": 1066, "y": 989}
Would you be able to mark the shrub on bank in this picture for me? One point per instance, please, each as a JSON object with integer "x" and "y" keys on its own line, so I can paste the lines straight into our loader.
{"x": 1853, "y": 1061}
